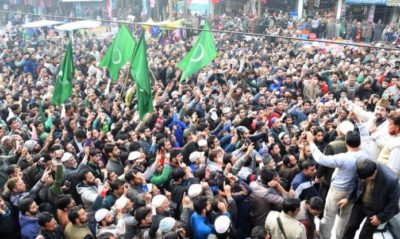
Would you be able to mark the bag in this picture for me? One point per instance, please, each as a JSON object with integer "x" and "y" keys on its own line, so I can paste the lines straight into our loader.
{"x": 278, "y": 219}
{"x": 384, "y": 231}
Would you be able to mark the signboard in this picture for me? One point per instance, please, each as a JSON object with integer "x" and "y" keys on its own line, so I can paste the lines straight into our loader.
{"x": 81, "y": 0}
{"x": 368, "y": 2}
{"x": 196, "y": 6}
{"x": 395, "y": 3}
{"x": 371, "y": 14}
{"x": 294, "y": 15}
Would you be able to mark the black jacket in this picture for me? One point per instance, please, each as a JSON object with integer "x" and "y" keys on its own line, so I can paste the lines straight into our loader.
{"x": 385, "y": 195}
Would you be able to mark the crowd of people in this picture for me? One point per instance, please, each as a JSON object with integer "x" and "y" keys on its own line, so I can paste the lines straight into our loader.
{"x": 274, "y": 139}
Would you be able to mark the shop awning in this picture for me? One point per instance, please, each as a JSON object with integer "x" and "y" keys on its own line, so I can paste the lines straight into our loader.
{"x": 395, "y": 3}
{"x": 41, "y": 23}
{"x": 85, "y": 24}
{"x": 367, "y": 2}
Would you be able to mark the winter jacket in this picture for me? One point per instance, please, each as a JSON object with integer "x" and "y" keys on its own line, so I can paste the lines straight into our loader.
{"x": 200, "y": 226}
{"x": 88, "y": 193}
{"x": 29, "y": 226}
{"x": 8, "y": 225}
{"x": 17, "y": 197}
{"x": 263, "y": 200}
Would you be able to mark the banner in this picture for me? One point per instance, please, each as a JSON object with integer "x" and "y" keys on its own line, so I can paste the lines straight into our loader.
{"x": 81, "y": 0}
{"x": 109, "y": 8}
{"x": 395, "y": 3}
{"x": 371, "y": 14}
{"x": 368, "y": 2}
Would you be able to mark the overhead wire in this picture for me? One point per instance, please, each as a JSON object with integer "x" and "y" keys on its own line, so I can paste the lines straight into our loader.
{"x": 211, "y": 30}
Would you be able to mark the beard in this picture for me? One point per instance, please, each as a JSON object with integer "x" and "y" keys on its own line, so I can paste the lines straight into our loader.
{"x": 83, "y": 221}
{"x": 378, "y": 116}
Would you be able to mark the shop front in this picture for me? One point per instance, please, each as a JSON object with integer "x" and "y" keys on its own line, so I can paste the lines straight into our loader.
{"x": 368, "y": 10}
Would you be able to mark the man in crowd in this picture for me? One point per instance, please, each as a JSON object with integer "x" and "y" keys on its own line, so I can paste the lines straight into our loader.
{"x": 284, "y": 224}
{"x": 376, "y": 199}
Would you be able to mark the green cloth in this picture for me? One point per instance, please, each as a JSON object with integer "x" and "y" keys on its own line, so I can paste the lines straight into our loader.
{"x": 203, "y": 52}
{"x": 119, "y": 53}
{"x": 140, "y": 73}
{"x": 63, "y": 86}
{"x": 55, "y": 188}
{"x": 160, "y": 179}
{"x": 360, "y": 79}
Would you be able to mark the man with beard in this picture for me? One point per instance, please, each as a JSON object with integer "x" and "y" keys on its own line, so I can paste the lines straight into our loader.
{"x": 106, "y": 222}
{"x": 147, "y": 143}
{"x": 70, "y": 164}
{"x": 300, "y": 111}
{"x": 49, "y": 229}
{"x": 114, "y": 162}
{"x": 199, "y": 221}
{"x": 28, "y": 219}
{"x": 143, "y": 218}
{"x": 392, "y": 93}
{"x": 390, "y": 153}
{"x": 77, "y": 228}
{"x": 377, "y": 124}
{"x": 88, "y": 188}
{"x": 127, "y": 205}
{"x": 161, "y": 205}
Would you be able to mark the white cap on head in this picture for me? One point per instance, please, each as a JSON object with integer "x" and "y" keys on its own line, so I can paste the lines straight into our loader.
{"x": 222, "y": 224}
{"x": 158, "y": 200}
{"x": 66, "y": 156}
{"x": 167, "y": 224}
{"x": 202, "y": 142}
{"x": 196, "y": 155}
{"x": 345, "y": 127}
{"x": 121, "y": 202}
{"x": 194, "y": 190}
{"x": 134, "y": 155}
{"x": 101, "y": 214}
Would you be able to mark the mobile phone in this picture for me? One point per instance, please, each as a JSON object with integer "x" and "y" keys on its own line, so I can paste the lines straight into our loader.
{"x": 88, "y": 142}
{"x": 67, "y": 183}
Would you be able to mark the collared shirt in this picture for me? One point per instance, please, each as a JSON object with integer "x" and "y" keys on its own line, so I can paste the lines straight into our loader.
{"x": 344, "y": 177}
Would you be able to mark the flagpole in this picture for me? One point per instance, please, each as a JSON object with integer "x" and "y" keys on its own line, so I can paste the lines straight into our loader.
{"x": 125, "y": 81}
{"x": 152, "y": 74}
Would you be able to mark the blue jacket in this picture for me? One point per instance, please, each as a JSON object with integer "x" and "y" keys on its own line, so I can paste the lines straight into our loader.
{"x": 298, "y": 114}
{"x": 304, "y": 187}
{"x": 200, "y": 226}
{"x": 29, "y": 226}
{"x": 180, "y": 127}
{"x": 30, "y": 66}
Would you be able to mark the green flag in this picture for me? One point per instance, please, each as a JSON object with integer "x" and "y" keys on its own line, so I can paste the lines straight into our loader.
{"x": 119, "y": 52}
{"x": 140, "y": 73}
{"x": 63, "y": 85}
{"x": 201, "y": 54}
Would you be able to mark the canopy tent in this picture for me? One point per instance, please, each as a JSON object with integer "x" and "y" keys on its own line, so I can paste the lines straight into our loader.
{"x": 164, "y": 24}
{"x": 85, "y": 24}
{"x": 174, "y": 24}
{"x": 41, "y": 23}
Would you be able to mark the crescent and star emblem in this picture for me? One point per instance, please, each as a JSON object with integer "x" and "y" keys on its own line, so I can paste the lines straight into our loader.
{"x": 200, "y": 56}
